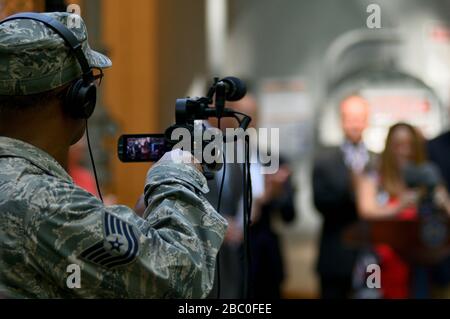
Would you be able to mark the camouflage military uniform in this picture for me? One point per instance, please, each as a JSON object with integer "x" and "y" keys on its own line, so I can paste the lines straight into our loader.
{"x": 48, "y": 224}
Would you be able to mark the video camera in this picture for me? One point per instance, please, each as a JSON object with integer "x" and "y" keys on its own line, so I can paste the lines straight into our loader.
{"x": 426, "y": 177}
{"x": 188, "y": 112}
{"x": 422, "y": 176}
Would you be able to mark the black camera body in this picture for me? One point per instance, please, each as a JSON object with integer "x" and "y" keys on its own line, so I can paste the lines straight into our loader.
{"x": 189, "y": 115}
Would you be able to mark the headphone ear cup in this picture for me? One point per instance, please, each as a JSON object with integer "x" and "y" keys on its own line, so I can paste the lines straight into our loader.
{"x": 87, "y": 99}
{"x": 81, "y": 99}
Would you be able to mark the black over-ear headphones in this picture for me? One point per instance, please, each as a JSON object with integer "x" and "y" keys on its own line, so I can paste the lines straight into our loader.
{"x": 82, "y": 95}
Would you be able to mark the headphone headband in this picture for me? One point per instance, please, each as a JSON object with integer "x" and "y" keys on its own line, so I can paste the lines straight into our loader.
{"x": 82, "y": 95}
{"x": 62, "y": 31}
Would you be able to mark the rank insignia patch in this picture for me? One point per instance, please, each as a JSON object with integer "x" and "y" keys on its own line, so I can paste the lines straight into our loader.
{"x": 119, "y": 247}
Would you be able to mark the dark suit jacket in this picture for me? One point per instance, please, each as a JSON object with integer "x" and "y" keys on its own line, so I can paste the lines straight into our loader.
{"x": 439, "y": 153}
{"x": 267, "y": 265}
{"x": 334, "y": 199}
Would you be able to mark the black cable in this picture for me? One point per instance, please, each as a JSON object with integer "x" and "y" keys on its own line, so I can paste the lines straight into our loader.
{"x": 246, "y": 222}
{"x": 240, "y": 113}
{"x": 249, "y": 177}
{"x": 249, "y": 203}
{"x": 246, "y": 184}
{"x": 247, "y": 207}
{"x": 92, "y": 162}
{"x": 219, "y": 203}
{"x": 223, "y": 174}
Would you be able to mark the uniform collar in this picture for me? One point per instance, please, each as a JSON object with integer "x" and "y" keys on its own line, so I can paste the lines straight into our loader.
{"x": 10, "y": 147}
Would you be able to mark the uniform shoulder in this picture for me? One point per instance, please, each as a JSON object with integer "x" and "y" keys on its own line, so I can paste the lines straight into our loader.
{"x": 25, "y": 182}
{"x": 14, "y": 169}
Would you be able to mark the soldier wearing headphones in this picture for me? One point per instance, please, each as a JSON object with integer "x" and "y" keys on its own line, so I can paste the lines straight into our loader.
{"x": 48, "y": 76}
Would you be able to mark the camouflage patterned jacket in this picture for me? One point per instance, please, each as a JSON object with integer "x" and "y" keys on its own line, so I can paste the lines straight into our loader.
{"x": 50, "y": 228}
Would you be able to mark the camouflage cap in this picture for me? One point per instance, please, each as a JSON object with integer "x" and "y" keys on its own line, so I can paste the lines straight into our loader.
{"x": 35, "y": 59}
